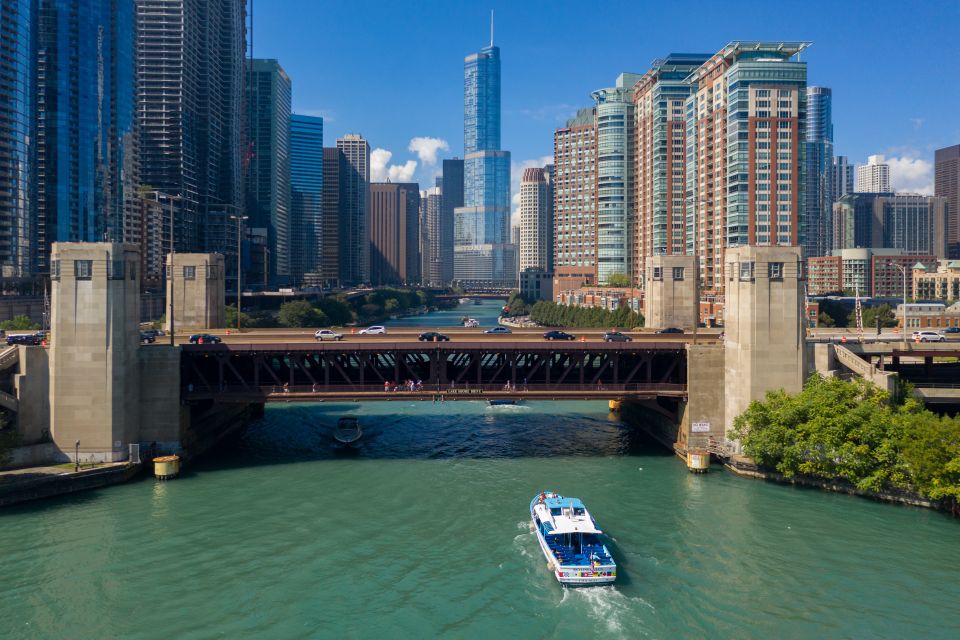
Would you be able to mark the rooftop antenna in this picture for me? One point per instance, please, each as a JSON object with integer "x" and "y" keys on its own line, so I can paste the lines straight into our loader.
{"x": 491, "y": 27}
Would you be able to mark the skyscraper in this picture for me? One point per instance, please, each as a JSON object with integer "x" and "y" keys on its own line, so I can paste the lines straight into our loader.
{"x": 330, "y": 247}
{"x": 536, "y": 224}
{"x": 873, "y": 177}
{"x": 615, "y": 140}
{"x": 818, "y": 187}
{"x": 431, "y": 207}
{"x": 354, "y": 203}
{"x": 745, "y": 142}
{"x": 87, "y": 166}
{"x": 451, "y": 197}
{"x": 947, "y": 184}
{"x": 574, "y": 202}
{"x": 841, "y": 182}
{"x": 190, "y": 62}
{"x": 483, "y": 254}
{"x": 17, "y": 251}
{"x": 394, "y": 233}
{"x": 660, "y": 177}
{"x": 306, "y": 199}
{"x": 269, "y": 95}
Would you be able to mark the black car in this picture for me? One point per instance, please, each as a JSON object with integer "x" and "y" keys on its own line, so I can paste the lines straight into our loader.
{"x": 204, "y": 338}
{"x": 616, "y": 336}
{"x": 951, "y": 330}
{"x": 146, "y": 336}
{"x": 670, "y": 330}
{"x": 558, "y": 335}
{"x": 433, "y": 336}
{"x": 26, "y": 338}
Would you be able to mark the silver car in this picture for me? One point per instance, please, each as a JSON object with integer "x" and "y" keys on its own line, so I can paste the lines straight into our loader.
{"x": 327, "y": 334}
{"x": 375, "y": 330}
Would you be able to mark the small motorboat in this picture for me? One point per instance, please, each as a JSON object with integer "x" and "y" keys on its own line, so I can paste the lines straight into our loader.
{"x": 501, "y": 402}
{"x": 570, "y": 540}
{"x": 464, "y": 301}
{"x": 348, "y": 430}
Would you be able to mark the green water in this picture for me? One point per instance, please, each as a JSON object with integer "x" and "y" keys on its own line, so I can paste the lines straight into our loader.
{"x": 486, "y": 313}
{"x": 422, "y": 532}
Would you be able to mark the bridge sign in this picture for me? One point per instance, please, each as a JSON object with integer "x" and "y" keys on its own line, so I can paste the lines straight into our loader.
{"x": 700, "y": 427}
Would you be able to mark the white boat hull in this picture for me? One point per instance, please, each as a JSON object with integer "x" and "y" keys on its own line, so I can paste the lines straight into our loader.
{"x": 582, "y": 575}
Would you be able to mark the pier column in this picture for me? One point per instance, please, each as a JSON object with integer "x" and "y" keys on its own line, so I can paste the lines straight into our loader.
{"x": 197, "y": 294}
{"x": 670, "y": 290}
{"x": 763, "y": 325}
{"x": 95, "y": 339}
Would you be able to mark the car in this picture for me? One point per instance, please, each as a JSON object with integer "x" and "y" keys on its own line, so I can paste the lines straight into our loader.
{"x": 928, "y": 336}
{"x": 558, "y": 335}
{"x": 670, "y": 330}
{"x": 433, "y": 336}
{"x": 498, "y": 330}
{"x": 327, "y": 334}
{"x": 26, "y": 338}
{"x": 616, "y": 336}
{"x": 153, "y": 333}
{"x": 146, "y": 336}
{"x": 375, "y": 330}
{"x": 204, "y": 338}
{"x": 951, "y": 330}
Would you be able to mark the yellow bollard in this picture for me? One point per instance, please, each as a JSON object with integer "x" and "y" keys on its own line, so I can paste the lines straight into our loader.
{"x": 698, "y": 461}
{"x": 166, "y": 467}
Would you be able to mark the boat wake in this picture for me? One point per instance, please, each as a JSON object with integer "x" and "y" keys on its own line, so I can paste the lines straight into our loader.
{"x": 609, "y": 607}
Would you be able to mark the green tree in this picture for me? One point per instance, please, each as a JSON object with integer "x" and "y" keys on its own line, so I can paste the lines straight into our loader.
{"x": 230, "y": 315}
{"x": 300, "y": 313}
{"x": 825, "y": 320}
{"x": 870, "y": 315}
{"x": 336, "y": 310}
{"x": 19, "y": 323}
{"x": 618, "y": 280}
{"x": 391, "y": 305}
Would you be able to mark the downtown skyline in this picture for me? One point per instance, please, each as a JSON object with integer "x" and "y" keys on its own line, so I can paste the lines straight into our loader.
{"x": 904, "y": 117}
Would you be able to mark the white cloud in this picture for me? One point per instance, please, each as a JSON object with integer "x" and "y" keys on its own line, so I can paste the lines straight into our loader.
{"x": 402, "y": 172}
{"x": 379, "y": 158}
{"x": 427, "y": 148}
{"x": 911, "y": 174}
{"x": 381, "y": 170}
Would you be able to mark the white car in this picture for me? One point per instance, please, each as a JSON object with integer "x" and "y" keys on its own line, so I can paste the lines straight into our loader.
{"x": 375, "y": 330}
{"x": 327, "y": 334}
{"x": 928, "y": 336}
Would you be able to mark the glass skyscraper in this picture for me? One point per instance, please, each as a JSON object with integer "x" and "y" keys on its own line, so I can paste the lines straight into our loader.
{"x": 86, "y": 171}
{"x": 16, "y": 110}
{"x": 816, "y": 226}
{"x": 306, "y": 199}
{"x": 483, "y": 254}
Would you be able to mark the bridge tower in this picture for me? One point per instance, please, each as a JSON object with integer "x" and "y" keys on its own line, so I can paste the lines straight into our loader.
{"x": 197, "y": 294}
{"x": 670, "y": 292}
{"x": 94, "y": 369}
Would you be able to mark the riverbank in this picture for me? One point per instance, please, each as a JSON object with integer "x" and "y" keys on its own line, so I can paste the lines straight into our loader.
{"x": 35, "y": 483}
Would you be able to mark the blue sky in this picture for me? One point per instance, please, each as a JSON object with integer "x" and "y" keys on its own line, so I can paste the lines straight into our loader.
{"x": 393, "y": 71}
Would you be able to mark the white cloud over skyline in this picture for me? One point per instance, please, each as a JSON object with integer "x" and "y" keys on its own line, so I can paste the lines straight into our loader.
{"x": 381, "y": 170}
{"x": 427, "y": 148}
{"x": 911, "y": 174}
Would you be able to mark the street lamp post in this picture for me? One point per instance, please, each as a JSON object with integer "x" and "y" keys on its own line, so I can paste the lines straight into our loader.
{"x": 76, "y": 456}
{"x": 239, "y": 220}
{"x": 170, "y": 198}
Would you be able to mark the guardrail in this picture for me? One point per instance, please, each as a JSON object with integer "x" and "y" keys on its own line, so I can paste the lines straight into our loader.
{"x": 854, "y": 362}
{"x": 446, "y": 390}
{"x": 9, "y": 357}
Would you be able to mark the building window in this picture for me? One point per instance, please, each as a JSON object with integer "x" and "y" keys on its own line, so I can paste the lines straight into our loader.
{"x": 746, "y": 271}
{"x": 775, "y": 270}
{"x": 678, "y": 273}
{"x": 116, "y": 269}
{"x": 658, "y": 273}
{"x": 189, "y": 273}
{"x": 83, "y": 269}
{"x": 54, "y": 269}
{"x": 132, "y": 270}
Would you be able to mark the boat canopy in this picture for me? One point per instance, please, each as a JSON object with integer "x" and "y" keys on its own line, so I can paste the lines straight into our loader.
{"x": 560, "y": 501}
{"x": 576, "y": 524}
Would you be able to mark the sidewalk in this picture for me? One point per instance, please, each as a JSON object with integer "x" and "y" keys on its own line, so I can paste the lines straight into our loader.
{"x": 32, "y": 483}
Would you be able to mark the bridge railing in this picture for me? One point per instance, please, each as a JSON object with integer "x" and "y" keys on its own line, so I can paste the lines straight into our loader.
{"x": 464, "y": 389}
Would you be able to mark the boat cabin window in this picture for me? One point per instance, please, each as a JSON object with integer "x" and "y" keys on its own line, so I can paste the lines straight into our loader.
{"x": 579, "y": 511}
{"x": 555, "y": 511}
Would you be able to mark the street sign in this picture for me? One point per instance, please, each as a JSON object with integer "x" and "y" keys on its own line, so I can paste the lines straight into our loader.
{"x": 700, "y": 427}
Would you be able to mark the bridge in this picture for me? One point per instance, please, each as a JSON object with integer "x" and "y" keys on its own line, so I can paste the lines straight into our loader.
{"x": 932, "y": 368}
{"x": 461, "y": 370}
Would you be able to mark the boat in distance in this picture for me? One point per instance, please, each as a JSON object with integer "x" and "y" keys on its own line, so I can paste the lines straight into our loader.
{"x": 570, "y": 540}
{"x": 348, "y": 430}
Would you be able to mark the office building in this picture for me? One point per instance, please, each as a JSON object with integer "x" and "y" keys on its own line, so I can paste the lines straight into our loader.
{"x": 891, "y": 270}
{"x": 330, "y": 236}
{"x": 394, "y": 233}
{"x": 574, "y": 202}
{"x": 536, "y": 225}
{"x": 483, "y": 253}
{"x": 818, "y": 189}
{"x": 946, "y": 183}
{"x": 432, "y": 249}
{"x": 190, "y": 68}
{"x": 841, "y": 182}
{"x": 614, "y": 207}
{"x": 306, "y": 200}
{"x": 17, "y": 90}
{"x": 441, "y": 228}
{"x": 873, "y": 177}
{"x": 746, "y": 131}
{"x": 661, "y": 141}
{"x": 354, "y": 208}
{"x": 86, "y": 169}
{"x": 914, "y": 223}
{"x": 269, "y": 96}
{"x": 939, "y": 281}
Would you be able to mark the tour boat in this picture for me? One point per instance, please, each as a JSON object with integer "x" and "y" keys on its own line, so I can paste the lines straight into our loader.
{"x": 501, "y": 402}
{"x": 348, "y": 430}
{"x": 570, "y": 540}
{"x": 464, "y": 301}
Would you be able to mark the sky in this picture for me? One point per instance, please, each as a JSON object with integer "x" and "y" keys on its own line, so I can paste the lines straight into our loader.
{"x": 393, "y": 71}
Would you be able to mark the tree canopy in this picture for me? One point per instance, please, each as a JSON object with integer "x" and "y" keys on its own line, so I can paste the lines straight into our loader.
{"x": 550, "y": 314}
{"x": 300, "y": 313}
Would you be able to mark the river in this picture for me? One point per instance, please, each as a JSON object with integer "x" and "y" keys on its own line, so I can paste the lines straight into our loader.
{"x": 423, "y": 532}
{"x": 486, "y": 313}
